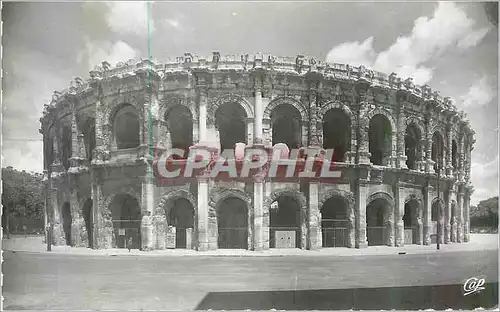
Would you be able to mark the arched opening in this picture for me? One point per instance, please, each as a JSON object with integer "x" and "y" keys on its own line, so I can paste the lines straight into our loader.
{"x": 380, "y": 140}
{"x": 337, "y": 133}
{"x": 334, "y": 222}
{"x": 377, "y": 213}
{"x": 454, "y": 156}
{"x": 67, "y": 220}
{"x": 230, "y": 119}
{"x": 66, "y": 147}
{"x": 180, "y": 125}
{"x": 412, "y": 146}
{"x": 126, "y": 128}
{"x": 89, "y": 138}
{"x": 411, "y": 227}
{"x": 437, "y": 150}
{"x": 181, "y": 216}
{"x": 287, "y": 126}
{"x": 284, "y": 221}
{"x": 87, "y": 217}
{"x": 126, "y": 217}
{"x": 232, "y": 222}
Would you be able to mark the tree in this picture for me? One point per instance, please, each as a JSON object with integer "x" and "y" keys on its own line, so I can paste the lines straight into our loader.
{"x": 22, "y": 199}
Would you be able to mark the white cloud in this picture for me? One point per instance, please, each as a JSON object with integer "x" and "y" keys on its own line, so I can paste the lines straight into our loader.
{"x": 96, "y": 52}
{"x": 355, "y": 53}
{"x": 448, "y": 28}
{"x": 130, "y": 17}
{"x": 484, "y": 177}
{"x": 479, "y": 94}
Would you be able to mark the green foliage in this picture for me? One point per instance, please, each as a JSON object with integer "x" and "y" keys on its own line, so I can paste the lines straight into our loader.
{"x": 22, "y": 197}
{"x": 485, "y": 214}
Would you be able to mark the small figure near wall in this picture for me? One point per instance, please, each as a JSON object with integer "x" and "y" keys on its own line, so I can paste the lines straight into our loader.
{"x": 129, "y": 243}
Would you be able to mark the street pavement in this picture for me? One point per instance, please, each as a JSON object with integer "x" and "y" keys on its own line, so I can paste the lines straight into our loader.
{"x": 35, "y": 280}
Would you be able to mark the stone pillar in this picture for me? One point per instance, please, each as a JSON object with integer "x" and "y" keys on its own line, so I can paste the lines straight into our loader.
{"x": 102, "y": 222}
{"x": 399, "y": 211}
{"x": 147, "y": 207}
{"x": 461, "y": 161}
{"x": 363, "y": 142}
{"x": 75, "y": 157}
{"x": 58, "y": 237}
{"x": 78, "y": 230}
{"x": 314, "y": 237}
{"x": 202, "y": 116}
{"x": 202, "y": 214}
{"x": 360, "y": 220}
{"x": 466, "y": 222}
{"x": 427, "y": 214}
{"x": 460, "y": 216}
{"x": 401, "y": 157}
{"x": 258, "y": 216}
{"x": 258, "y": 112}
{"x": 447, "y": 217}
{"x": 448, "y": 162}
{"x": 430, "y": 163}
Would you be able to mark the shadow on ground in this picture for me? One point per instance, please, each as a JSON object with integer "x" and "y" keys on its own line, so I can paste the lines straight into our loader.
{"x": 400, "y": 298}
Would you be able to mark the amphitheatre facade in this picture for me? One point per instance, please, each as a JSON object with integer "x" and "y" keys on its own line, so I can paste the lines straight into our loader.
{"x": 402, "y": 151}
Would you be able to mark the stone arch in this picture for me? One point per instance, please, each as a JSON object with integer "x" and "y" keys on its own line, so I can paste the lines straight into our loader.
{"x": 414, "y": 142}
{"x": 120, "y": 110}
{"x": 110, "y": 109}
{"x": 217, "y": 214}
{"x": 382, "y": 155}
{"x": 225, "y": 98}
{"x": 340, "y": 132}
{"x": 217, "y": 195}
{"x": 300, "y": 216}
{"x": 297, "y": 195}
{"x": 173, "y": 195}
{"x": 383, "y": 195}
{"x": 109, "y": 231}
{"x": 348, "y": 198}
{"x": 173, "y": 100}
{"x": 414, "y": 218}
{"x": 381, "y": 234}
{"x": 285, "y": 100}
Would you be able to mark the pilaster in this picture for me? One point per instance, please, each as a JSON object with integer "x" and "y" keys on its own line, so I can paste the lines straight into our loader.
{"x": 147, "y": 203}
{"x": 460, "y": 215}
{"x": 314, "y": 217}
{"x": 360, "y": 220}
{"x": 428, "y": 189}
{"x": 399, "y": 210}
{"x": 258, "y": 216}
{"x": 202, "y": 214}
{"x": 258, "y": 113}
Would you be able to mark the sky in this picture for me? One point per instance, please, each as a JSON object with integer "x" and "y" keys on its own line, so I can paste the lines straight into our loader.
{"x": 450, "y": 46}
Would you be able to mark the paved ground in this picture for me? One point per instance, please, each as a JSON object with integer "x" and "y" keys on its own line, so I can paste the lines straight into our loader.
{"x": 67, "y": 281}
{"x": 478, "y": 242}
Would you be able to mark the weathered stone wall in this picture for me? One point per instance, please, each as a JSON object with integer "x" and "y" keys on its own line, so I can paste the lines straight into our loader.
{"x": 258, "y": 84}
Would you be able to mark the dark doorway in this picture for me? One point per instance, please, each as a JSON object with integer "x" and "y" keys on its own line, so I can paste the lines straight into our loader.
{"x": 334, "y": 222}
{"x": 412, "y": 146}
{"x": 337, "y": 133}
{"x": 231, "y": 122}
{"x": 67, "y": 220}
{"x": 126, "y": 216}
{"x": 410, "y": 222}
{"x": 180, "y": 125}
{"x": 287, "y": 127}
{"x": 233, "y": 224}
{"x": 376, "y": 231}
{"x": 127, "y": 128}
{"x": 285, "y": 225}
{"x": 87, "y": 217}
{"x": 380, "y": 140}
{"x": 182, "y": 217}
